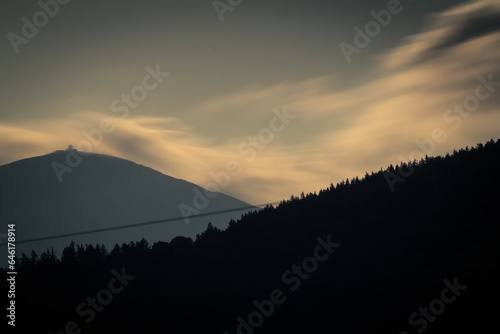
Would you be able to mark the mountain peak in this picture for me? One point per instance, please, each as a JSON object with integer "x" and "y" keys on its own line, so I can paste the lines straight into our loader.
{"x": 99, "y": 191}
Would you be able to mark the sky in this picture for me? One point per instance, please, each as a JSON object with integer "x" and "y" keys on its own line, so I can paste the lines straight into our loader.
{"x": 297, "y": 94}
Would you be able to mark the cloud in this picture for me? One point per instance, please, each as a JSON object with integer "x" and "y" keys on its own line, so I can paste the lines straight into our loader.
{"x": 337, "y": 133}
{"x": 476, "y": 25}
{"x": 447, "y": 30}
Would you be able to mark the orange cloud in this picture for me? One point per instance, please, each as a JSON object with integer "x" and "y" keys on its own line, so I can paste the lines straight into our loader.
{"x": 337, "y": 133}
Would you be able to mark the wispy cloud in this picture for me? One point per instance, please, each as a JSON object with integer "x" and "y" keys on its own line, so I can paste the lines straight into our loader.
{"x": 338, "y": 133}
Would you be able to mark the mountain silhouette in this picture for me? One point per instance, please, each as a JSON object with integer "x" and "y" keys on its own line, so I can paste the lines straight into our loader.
{"x": 367, "y": 255}
{"x": 101, "y": 191}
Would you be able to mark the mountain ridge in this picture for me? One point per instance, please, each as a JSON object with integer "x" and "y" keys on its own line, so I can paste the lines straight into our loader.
{"x": 101, "y": 191}
{"x": 391, "y": 252}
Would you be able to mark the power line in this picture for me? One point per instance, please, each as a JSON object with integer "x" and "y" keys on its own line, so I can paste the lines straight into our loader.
{"x": 120, "y": 227}
{"x": 204, "y": 215}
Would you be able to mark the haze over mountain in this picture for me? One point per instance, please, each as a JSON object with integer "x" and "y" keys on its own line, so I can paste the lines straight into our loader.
{"x": 102, "y": 191}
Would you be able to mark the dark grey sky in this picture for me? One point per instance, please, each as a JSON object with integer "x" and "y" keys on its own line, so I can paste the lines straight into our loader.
{"x": 92, "y": 48}
{"x": 225, "y": 78}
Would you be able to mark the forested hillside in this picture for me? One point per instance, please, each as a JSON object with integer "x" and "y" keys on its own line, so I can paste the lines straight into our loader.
{"x": 357, "y": 257}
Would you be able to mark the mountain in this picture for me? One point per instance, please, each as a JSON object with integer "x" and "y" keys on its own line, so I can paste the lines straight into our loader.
{"x": 101, "y": 191}
{"x": 356, "y": 257}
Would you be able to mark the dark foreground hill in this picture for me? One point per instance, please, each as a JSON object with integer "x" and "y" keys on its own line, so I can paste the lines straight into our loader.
{"x": 354, "y": 258}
